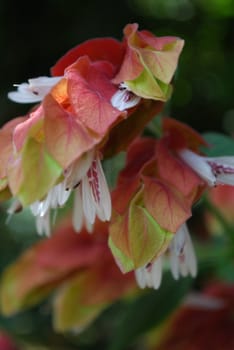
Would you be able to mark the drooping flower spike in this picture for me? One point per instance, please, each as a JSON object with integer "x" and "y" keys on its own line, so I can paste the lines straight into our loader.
{"x": 153, "y": 199}
{"x": 151, "y": 204}
{"x": 83, "y": 110}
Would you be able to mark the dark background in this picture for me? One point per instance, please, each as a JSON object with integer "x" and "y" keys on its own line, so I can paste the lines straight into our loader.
{"x": 34, "y": 34}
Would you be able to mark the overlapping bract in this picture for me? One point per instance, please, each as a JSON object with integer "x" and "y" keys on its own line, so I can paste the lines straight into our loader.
{"x": 149, "y": 63}
{"x": 93, "y": 106}
{"x": 79, "y": 268}
{"x": 204, "y": 322}
{"x": 154, "y": 196}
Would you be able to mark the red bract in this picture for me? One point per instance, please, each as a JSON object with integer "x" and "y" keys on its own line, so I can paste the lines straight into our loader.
{"x": 181, "y": 135}
{"x": 149, "y": 63}
{"x": 205, "y": 323}
{"x": 79, "y": 268}
{"x": 100, "y": 49}
{"x": 90, "y": 91}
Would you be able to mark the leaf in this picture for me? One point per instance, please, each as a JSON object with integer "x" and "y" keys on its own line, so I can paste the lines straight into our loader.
{"x": 220, "y": 145}
{"x": 148, "y": 310}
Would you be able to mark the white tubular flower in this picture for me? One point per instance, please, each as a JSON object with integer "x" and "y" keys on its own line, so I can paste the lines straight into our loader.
{"x": 95, "y": 195}
{"x": 124, "y": 99}
{"x": 150, "y": 275}
{"x": 33, "y": 91}
{"x": 43, "y": 224}
{"x": 182, "y": 256}
{"x": 182, "y": 259}
{"x": 91, "y": 198}
{"x": 78, "y": 218}
{"x": 56, "y": 197}
{"x": 215, "y": 171}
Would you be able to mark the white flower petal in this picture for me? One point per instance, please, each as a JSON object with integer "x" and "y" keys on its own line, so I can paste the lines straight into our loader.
{"x": 182, "y": 262}
{"x": 156, "y": 273}
{"x": 35, "y": 208}
{"x": 174, "y": 263}
{"x": 25, "y": 97}
{"x": 179, "y": 240}
{"x": 33, "y": 91}
{"x": 78, "y": 170}
{"x": 217, "y": 170}
{"x": 63, "y": 194}
{"x": 124, "y": 99}
{"x": 43, "y": 224}
{"x": 88, "y": 201}
{"x": 77, "y": 215}
{"x": 199, "y": 165}
{"x": 225, "y": 179}
{"x": 141, "y": 277}
{"x": 88, "y": 226}
{"x": 103, "y": 207}
{"x": 150, "y": 275}
{"x": 183, "y": 267}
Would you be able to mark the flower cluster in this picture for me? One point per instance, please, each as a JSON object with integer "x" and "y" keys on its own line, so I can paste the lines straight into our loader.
{"x": 97, "y": 92}
{"x": 100, "y": 96}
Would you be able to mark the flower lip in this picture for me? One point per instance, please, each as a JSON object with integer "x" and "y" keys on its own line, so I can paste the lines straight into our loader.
{"x": 215, "y": 171}
{"x": 33, "y": 91}
{"x": 182, "y": 255}
{"x": 124, "y": 99}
